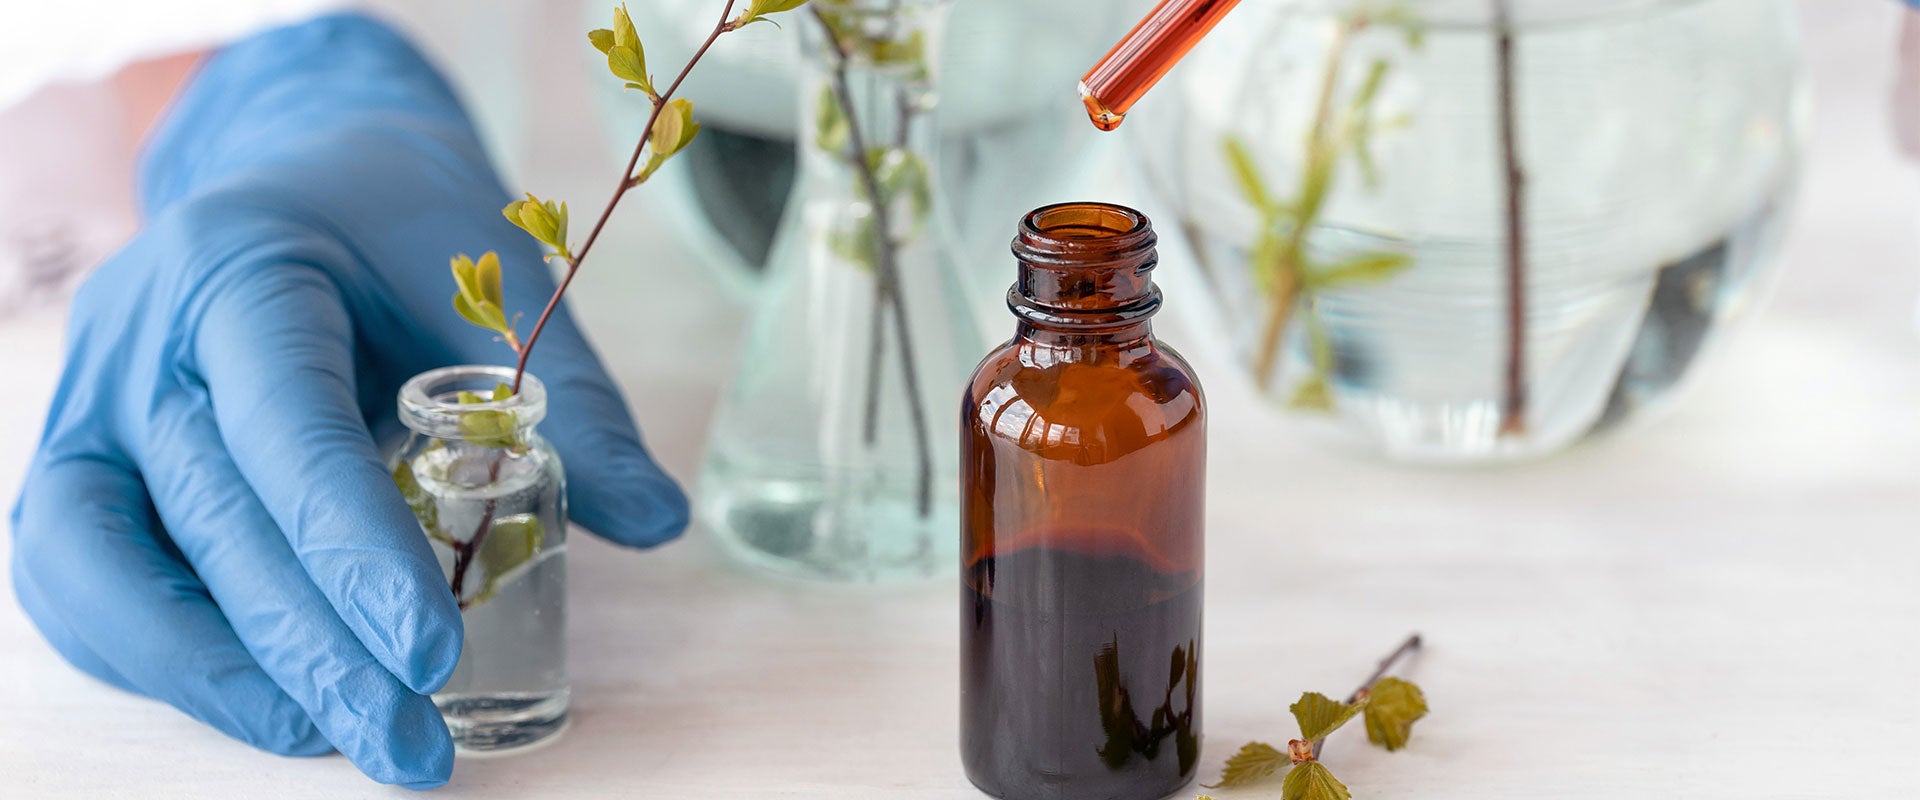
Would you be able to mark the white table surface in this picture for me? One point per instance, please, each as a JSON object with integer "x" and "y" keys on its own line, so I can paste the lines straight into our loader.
{"x": 1721, "y": 604}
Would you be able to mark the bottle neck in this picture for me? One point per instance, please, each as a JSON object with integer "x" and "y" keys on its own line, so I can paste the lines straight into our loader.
{"x": 1085, "y": 277}
{"x": 432, "y": 404}
{"x": 1128, "y": 338}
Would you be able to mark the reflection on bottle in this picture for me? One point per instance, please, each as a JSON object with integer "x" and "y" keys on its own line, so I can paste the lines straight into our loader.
{"x": 1126, "y": 734}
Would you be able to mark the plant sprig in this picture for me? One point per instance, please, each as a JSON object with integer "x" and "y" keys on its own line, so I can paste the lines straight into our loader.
{"x": 1282, "y": 267}
{"x": 479, "y": 299}
{"x": 1389, "y": 706}
{"x": 669, "y": 129}
{"x": 884, "y": 173}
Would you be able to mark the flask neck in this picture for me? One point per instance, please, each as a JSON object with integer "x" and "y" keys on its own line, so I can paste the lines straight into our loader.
{"x": 870, "y": 84}
{"x": 1085, "y": 275}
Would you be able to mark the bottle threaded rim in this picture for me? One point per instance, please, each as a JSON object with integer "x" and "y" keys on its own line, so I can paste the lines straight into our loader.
{"x": 1085, "y": 265}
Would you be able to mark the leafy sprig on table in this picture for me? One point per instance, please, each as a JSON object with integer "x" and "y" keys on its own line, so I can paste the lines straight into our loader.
{"x": 1389, "y": 706}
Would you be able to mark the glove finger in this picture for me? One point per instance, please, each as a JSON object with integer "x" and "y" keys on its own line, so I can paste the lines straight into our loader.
{"x": 85, "y": 534}
{"x": 391, "y": 733}
{"x": 46, "y": 617}
{"x": 274, "y": 348}
{"x": 614, "y": 488}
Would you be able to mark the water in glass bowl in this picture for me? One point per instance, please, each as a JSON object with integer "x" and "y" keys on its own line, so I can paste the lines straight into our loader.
{"x": 1660, "y": 144}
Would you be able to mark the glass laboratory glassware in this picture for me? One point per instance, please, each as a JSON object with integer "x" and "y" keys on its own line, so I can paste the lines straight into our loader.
{"x": 1083, "y": 446}
{"x": 1007, "y": 143}
{"x": 826, "y": 458}
{"x": 490, "y": 495}
{"x": 1341, "y": 166}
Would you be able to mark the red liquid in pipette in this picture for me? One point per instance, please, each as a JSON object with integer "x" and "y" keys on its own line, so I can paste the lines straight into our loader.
{"x": 1135, "y": 64}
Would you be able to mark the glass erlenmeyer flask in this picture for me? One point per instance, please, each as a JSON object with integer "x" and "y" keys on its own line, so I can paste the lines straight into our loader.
{"x": 832, "y": 455}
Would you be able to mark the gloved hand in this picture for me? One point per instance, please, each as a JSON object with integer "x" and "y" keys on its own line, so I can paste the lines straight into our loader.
{"x": 207, "y": 521}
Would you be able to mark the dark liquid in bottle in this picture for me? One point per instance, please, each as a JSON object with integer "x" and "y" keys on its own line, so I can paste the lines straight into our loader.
{"x": 1079, "y": 676}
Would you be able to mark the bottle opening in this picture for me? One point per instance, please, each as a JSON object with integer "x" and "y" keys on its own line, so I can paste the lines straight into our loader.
{"x": 1085, "y": 265}
{"x": 1087, "y": 221}
{"x": 430, "y": 401}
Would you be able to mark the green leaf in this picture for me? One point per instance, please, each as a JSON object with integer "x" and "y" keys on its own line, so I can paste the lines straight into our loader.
{"x": 1411, "y": 24}
{"x": 463, "y": 271}
{"x": 489, "y": 428}
{"x": 467, "y": 398}
{"x": 486, "y": 279}
{"x": 1247, "y": 174}
{"x": 1319, "y": 343}
{"x": 479, "y": 300}
{"x": 1315, "y": 182}
{"x": 545, "y": 221}
{"x": 1313, "y": 781}
{"x": 510, "y": 543}
{"x": 894, "y": 52}
{"x": 1393, "y": 705}
{"x": 1256, "y": 760}
{"x": 859, "y": 244}
{"x": 1320, "y": 715}
{"x": 900, "y": 172}
{"x": 1365, "y": 268}
{"x": 674, "y": 129}
{"x": 1363, "y": 158}
{"x": 623, "y": 33}
{"x": 626, "y": 58}
{"x": 1370, "y": 86}
{"x": 831, "y": 130}
{"x": 1266, "y": 259}
{"x": 482, "y": 314}
{"x": 501, "y": 391}
{"x": 1312, "y": 394}
{"x": 625, "y": 64}
{"x": 759, "y": 9}
{"x": 424, "y": 509}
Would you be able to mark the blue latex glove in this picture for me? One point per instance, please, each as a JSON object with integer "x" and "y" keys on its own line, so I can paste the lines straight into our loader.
{"x": 207, "y": 521}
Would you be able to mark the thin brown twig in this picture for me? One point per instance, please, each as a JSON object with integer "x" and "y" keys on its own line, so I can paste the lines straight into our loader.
{"x": 1285, "y": 294}
{"x": 903, "y": 122}
{"x": 619, "y": 191}
{"x": 1409, "y": 645}
{"x": 1513, "y": 409}
{"x": 464, "y": 553}
{"x": 888, "y": 268}
{"x": 1406, "y": 647}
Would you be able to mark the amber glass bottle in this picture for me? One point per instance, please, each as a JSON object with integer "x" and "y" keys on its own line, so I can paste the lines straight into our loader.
{"x": 1083, "y": 451}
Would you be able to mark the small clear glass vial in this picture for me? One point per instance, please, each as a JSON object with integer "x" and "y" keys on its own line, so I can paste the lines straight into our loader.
{"x": 490, "y": 495}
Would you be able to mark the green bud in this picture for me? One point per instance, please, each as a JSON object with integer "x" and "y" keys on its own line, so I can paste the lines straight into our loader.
{"x": 674, "y": 129}
{"x": 759, "y": 9}
{"x": 623, "y": 33}
{"x": 626, "y": 58}
{"x": 480, "y": 299}
{"x": 544, "y": 221}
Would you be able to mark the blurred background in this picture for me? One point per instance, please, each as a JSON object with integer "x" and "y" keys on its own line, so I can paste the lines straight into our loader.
{"x": 1720, "y": 352}
{"x": 1667, "y": 146}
